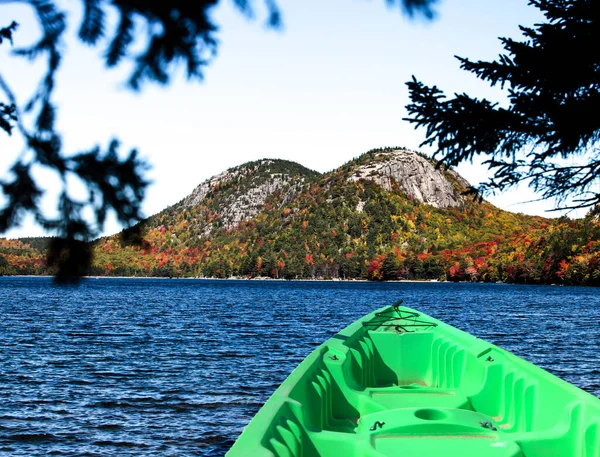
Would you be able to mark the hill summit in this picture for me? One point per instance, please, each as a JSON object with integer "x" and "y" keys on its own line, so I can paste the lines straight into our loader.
{"x": 414, "y": 174}
{"x": 241, "y": 192}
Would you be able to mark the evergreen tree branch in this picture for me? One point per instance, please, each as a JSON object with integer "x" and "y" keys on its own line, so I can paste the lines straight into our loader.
{"x": 553, "y": 85}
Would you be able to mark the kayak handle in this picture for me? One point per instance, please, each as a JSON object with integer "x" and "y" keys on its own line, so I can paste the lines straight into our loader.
{"x": 379, "y": 424}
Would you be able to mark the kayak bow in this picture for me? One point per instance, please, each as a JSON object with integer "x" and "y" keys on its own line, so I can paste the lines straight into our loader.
{"x": 400, "y": 383}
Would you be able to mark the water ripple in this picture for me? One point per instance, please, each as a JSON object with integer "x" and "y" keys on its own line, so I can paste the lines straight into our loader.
{"x": 135, "y": 367}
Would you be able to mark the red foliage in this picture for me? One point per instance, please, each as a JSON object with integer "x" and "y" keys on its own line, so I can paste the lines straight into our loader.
{"x": 422, "y": 256}
{"x": 563, "y": 267}
{"x": 374, "y": 268}
{"x": 454, "y": 270}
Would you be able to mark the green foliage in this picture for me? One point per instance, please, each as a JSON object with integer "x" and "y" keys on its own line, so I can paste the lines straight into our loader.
{"x": 19, "y": 258}
{"x": 40, "y": 244}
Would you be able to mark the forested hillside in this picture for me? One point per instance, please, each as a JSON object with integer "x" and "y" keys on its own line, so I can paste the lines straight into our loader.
{"x": 20, "y": 257}
{"x": 390, "y": 214}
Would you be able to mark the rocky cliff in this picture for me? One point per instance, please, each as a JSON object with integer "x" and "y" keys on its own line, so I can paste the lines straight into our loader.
{"x": 241, "y": 192}
{"x": 415, "y": 175}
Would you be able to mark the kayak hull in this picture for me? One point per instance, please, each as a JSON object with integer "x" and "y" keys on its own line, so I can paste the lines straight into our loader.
{"x": 401, "y": 383}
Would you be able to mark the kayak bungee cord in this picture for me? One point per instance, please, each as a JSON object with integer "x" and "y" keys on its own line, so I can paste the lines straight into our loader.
{"x": 388, "y": 320}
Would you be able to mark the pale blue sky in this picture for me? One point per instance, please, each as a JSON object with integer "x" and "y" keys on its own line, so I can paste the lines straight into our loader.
{"x": 325, "y": 89}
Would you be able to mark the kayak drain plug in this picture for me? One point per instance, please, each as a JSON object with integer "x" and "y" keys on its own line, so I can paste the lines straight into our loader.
{"x": 490, "y": 359}
{"x": 377, "y": 424}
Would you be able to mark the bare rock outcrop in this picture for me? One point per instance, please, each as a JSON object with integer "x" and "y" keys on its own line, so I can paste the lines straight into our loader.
{"x": 240, "y": 193}
{"x": 415, "y": 175}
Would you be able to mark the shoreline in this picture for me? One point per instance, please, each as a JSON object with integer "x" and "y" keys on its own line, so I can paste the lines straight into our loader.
{"x": 240, "y": 278}
{"x": 268, "y": 279}
{"x": 231, "y": 278}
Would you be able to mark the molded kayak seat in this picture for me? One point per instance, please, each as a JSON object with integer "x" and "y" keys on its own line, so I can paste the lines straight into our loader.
{"x": 400, "y": 383}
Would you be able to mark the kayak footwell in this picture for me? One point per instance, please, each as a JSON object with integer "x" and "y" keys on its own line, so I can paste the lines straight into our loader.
{"x": 399, "y": 383}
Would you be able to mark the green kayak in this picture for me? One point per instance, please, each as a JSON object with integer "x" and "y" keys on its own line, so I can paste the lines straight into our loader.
{"x": 400, "y": 383}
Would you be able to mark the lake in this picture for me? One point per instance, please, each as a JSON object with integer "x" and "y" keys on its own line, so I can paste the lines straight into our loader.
{"x": 178, "y": 367}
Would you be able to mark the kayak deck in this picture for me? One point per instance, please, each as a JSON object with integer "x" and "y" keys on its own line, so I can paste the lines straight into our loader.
{"x": 400, "y": 383}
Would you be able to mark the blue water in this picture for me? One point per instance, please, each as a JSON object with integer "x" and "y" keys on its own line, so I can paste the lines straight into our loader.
{"x": 178, "y": 367}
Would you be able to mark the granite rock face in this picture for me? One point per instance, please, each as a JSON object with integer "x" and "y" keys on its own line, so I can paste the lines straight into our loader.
{"x": 414, "y": 175}
{"x": 241, "y": 192}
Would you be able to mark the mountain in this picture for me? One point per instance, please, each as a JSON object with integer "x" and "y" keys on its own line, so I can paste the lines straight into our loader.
{"x": 388, "y": 214}
{"x": 240, "y": 193}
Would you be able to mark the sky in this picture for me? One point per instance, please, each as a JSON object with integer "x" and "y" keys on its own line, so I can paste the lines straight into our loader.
{"x": 325, "y": 88}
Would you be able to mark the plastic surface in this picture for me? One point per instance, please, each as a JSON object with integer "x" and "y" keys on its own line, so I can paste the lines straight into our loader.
{"x": 400, "y": 383}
